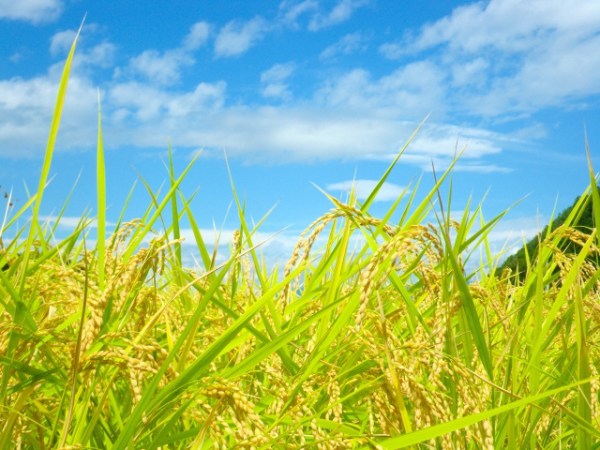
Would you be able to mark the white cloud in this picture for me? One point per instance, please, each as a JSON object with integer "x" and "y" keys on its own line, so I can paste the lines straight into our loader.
{"x": 392, "y": 50}
{"x": 447, "y": 140}
{"x": 512, "y": 57}
{"x": 26, "y": 109}
{"x": 146, "y": 104}
{"x": 341, "y": 12}
{"x": 532, "y": 131}
{"x": 470, "y": 73}
{"x": 16, "y": 57}
{"x": 34, "y": 11}
{"x": 224, "y": 237}
{"x": 236, "y": 37}
{"x": 274, "y": 134}
{"x": 411, "y": 91}
{"x": 99, "y": 55}
{"x": 138, "y": 114}
{"x": 61, "y": 42}
{"x": 569, "y": 75}
{"x": 73, "y": 221}
{"x": 289, "y": 134}
{"x": 350, "y": 43}
{"x": 351, "y": 116}
{"x": 277, "y": 73}
{"x": 274, "y": 81}
{"x": 510, "y": 25}
{"x": 197, "y": 37}
{"x": 291, "y": 10}
{"x": 162, "y": 68}
{"x": 363, "y": 188}
{"x": 205, "y": 97}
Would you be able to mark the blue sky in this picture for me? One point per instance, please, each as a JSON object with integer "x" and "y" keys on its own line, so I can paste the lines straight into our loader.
{"x": 301, "y": 93}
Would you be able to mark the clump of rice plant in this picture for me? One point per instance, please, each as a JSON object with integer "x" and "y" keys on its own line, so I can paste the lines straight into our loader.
{"x": 394, "y": 343}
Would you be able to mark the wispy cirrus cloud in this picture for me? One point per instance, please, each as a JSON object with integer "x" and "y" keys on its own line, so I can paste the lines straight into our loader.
{"x": 348, "y": 44}
{"x": 363, "y": 188}
{"x": 274, "y": 81}
{"x": 411, "y": 91}
{"x": 87, "y": 57}
{"x": 509, "y": 26}
{"x": 317, "y": 16}
{"x": 160, "y": 67}
{"x": 34, "y": 11}
{"x": 164, "y": 67}
{"x": 291, "y": 10}
{"x": 341, "y": 12}
{"x": 140, "y": 103}
{"x": 237, "y": 36}
{"x": 497, "y": 51}
{"x": 72, "y": 222}
{"x": 197, "y": 36}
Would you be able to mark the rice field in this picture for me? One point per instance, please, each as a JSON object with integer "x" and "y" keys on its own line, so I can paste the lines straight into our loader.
{"x": 398, "y": 343}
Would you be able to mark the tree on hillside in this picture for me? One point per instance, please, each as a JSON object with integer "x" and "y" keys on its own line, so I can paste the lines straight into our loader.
{"x": 585, "y": 223}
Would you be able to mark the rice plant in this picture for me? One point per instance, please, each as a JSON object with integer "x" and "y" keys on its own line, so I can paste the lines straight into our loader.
{"x": 397, "y": 342}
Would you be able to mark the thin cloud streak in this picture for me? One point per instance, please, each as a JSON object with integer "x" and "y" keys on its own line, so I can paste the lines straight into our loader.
{"x": 237, "y": 36}
{"x": 363, "y": 188}
{"x": 34, "y": 11}
{"x": 341, "y": 12}
{"x": 347, "y": 45}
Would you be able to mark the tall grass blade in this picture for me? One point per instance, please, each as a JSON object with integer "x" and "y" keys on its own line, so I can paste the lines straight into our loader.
{"x": 584, "y": 392}
{"x": 594, "y": 191}
{"x": 101, "y": 202}
{"x": 174, "y": 211}
{"x": 56, "y": 117}
{"x": 426, "y": 434}
{"x": 141, "y": 233}
{"x": 371, "y": 197}
{"x": 22, "y": 316}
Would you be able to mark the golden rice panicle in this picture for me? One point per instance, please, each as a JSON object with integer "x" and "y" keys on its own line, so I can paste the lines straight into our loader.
{"x": 303, "y": 247}
{"x": 250, "y": 429}
{"x": 241, "y": 270}
{"x": 335, "y": 407}
{"x": 595, "y": 389}
{"x": 404, "y": 245}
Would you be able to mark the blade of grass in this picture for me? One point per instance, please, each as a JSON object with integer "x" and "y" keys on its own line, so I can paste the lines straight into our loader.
{"x": 174, "y": 210}
{"x": 468, "y": 305}
{"x": 24, "y": 317}
{"x": 561, "y": 298}
{"x": 200, "y": 244}
{"x": 584, "y": 393}
{"x": 139, "y": 234}
{"x": 101, "y": 202}
{"x": 594, "y": 191}
{"x": 56, "y": 117}
{"x": 371, "y": 198}
{"x": 426, "y": 434}
{"x": 75, "y": 367}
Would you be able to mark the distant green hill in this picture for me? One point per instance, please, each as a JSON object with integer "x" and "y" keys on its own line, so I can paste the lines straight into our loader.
{"x": 585, "y": 222}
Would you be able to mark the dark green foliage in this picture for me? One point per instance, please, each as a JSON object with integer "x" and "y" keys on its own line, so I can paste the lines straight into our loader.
{"x": 585, "y": 223}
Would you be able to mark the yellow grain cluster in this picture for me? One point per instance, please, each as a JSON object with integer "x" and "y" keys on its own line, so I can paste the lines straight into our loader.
{"x": 380, "y": 350}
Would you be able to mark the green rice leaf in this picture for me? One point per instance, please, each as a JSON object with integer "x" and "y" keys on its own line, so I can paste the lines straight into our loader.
{"x": 101, "y": 201}
{"x": 426, "y": 434}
